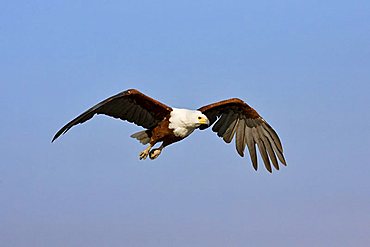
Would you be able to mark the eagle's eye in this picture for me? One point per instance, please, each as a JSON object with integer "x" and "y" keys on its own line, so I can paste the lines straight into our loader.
{"x": 199, "y": 118}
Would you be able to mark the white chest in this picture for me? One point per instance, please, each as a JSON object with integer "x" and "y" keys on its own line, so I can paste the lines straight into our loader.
{"x": 182, "y": 132}
{"x": 181, "y": 123}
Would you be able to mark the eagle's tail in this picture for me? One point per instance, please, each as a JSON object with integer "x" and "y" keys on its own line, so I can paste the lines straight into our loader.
{"x": 142, "y": 136}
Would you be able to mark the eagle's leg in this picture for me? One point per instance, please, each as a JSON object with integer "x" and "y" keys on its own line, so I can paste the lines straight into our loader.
{"x": 155, "y": 152}
{"x": 144, "y": 154}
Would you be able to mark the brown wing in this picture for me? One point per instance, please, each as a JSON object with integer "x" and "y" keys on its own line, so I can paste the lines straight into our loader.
{"x": 130, "y": 105}
{"x": 235, "y": 117}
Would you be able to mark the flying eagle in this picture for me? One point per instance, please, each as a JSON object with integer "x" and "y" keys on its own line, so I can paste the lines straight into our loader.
{"x": 232, "y": 117}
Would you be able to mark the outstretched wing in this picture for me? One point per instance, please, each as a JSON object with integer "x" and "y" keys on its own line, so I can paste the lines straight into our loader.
{"x": 235, "y": 117}
{"x": 130, "y": 105}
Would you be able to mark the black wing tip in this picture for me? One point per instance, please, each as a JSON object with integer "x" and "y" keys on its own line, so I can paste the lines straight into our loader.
{"x": 284, "y": 163}
{"x": 255, "y": 164}
{"x": 268, "y": 168}
{"x": 276, "y": 167}
{"x": 59, "y": 133}
{"x": 55, "y": 137}
{"x": 255, "y": 167}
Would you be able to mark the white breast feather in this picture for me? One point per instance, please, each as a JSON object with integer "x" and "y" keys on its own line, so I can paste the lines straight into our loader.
{"x": 182, "y": 122}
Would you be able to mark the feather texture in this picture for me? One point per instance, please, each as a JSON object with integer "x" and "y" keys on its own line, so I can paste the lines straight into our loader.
{"x": 235, "y": 116}
{"x": 130, "y": 105}
{"x": 229, "y": 118}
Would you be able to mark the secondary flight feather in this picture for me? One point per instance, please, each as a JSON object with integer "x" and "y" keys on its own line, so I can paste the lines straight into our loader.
{"x": 166, "y": 125}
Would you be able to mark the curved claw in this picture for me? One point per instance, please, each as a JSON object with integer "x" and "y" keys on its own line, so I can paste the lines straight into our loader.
{"x": 155, "y": 153}
{"x": 144, "y": 154}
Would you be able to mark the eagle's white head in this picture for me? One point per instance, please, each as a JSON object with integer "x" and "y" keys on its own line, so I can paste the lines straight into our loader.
{"x": 184, "y": 121}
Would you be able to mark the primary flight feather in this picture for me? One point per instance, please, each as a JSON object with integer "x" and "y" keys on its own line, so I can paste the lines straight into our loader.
{"x": 232, "y": 117}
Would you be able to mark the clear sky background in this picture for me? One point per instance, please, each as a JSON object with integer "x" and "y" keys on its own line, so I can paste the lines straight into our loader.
{"x": 304, "y": 65}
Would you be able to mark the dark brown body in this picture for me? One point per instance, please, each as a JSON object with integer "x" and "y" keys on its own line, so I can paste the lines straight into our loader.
{"x": 162, "y": 133}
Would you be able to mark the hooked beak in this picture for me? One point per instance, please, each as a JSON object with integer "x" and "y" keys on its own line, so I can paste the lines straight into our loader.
{"x": 204, "y": 121}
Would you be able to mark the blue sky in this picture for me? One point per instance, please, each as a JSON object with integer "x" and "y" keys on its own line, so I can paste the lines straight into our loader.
{"x": 304, "y": 65}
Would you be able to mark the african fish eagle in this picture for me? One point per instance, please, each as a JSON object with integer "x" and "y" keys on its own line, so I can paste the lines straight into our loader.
{"x": 168, "y": 125}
